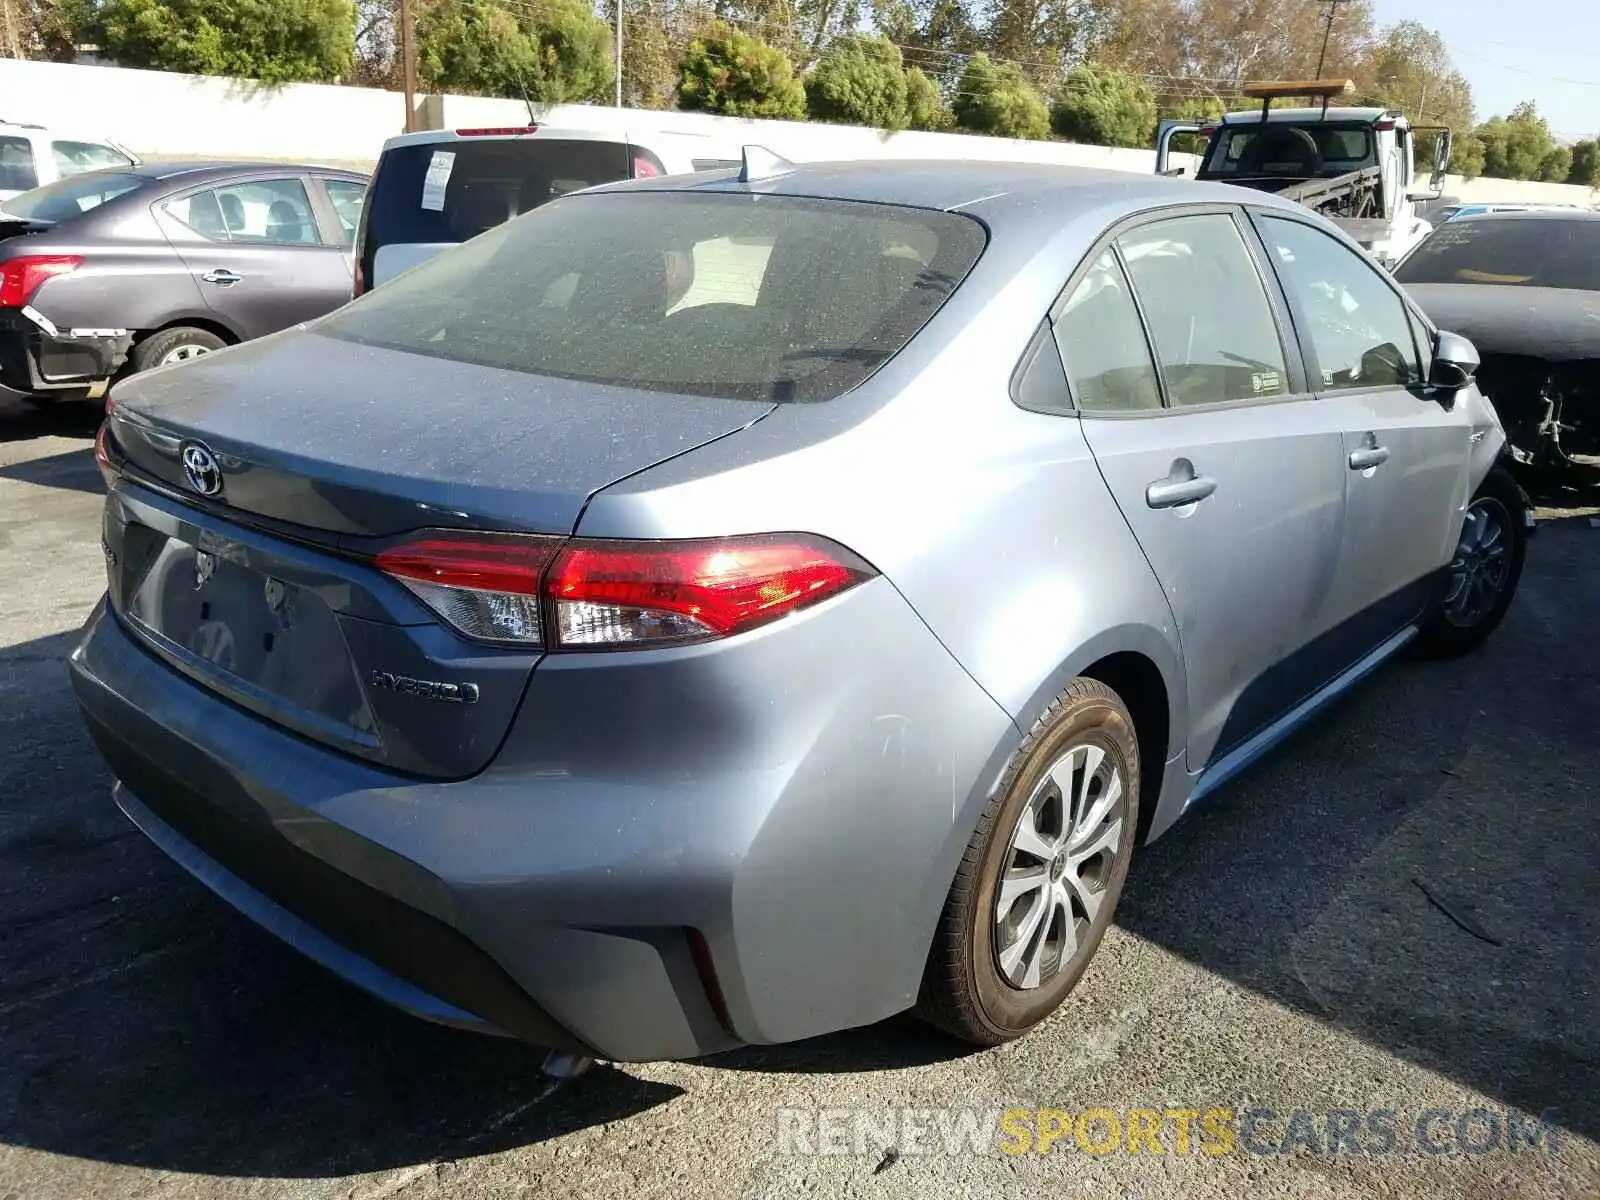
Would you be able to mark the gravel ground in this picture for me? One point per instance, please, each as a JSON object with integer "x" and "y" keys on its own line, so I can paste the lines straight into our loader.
{"x": 1278, "y": 950}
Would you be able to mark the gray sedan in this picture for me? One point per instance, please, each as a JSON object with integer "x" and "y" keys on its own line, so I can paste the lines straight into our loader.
{"x": 726, "y": 609}
{"x": 111, "y": 272}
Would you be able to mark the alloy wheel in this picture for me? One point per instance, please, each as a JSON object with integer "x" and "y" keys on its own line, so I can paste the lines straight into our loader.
{"x": 1057, "y": 865}
{"x": 1481, "y": 565}
{"x": 183, "y": 352}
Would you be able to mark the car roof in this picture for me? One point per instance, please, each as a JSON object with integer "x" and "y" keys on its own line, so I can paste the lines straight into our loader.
{"x": 511, "y": 132}
{"x": 1018, "y": 194}
{"x": 1252, "y": 116}
{"x": 200, "y": 171}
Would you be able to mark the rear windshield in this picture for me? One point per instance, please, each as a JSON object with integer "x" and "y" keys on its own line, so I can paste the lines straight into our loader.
{"x": 69, "y": 197}
{"x": 1516, "y": 251}
{"x": 753, "y": 297}
{"x": 1290, "y": 150}
{"x": 452, "y": 191}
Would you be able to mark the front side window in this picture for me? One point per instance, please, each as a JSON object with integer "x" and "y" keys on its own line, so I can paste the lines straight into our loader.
{"x": 273, "y": 211}
{"x": 757, "y": 297}
{"x": 74, "y": 158}
{"x": 1215, "y": 337}
{"x": 1103, "y": 344}
{"x": 1359, "y": 328}
{"x": 17, "y": 170}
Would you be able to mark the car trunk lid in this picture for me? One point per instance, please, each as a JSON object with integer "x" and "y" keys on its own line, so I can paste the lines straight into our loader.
{"x": 265, "y": 590}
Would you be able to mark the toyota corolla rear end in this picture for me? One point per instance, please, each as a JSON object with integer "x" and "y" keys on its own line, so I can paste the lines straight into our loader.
{"x": 361, "y": 672}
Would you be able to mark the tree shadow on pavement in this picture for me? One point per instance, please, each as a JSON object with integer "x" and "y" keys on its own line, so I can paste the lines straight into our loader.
{"x": 143, "y": 1022}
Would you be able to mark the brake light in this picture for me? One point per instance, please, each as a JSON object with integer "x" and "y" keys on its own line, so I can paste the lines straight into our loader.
{"x": 1207, "y": 130}
{"x": 521, "y": 590}
{"x": 498, "y": 131}
{"x": 633, "y": 593}
{"x": 485, "y": 585}
{"x": 21, "y": 277}
{"x": 102, "y": 444}
{"x": 1384, "y": 126}
{"x": 643, "y": 168}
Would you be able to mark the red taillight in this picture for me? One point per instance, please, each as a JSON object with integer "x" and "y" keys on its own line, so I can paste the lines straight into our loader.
{"x": 485, "y": 585}
{"x": 20, "y": 277}
{"x": 1384, "y": 126}
{"x": 498, "y": 131}
{"x": 617, "y": 594}
{"x": 643, "y": 168}
{"x": 622, "y": 593}
{"x": 102, "y": 444}
{"x": 1207, "y": 130}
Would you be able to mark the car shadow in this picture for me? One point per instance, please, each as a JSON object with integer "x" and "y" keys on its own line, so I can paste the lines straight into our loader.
{"x": 20, "y": 421}
{"x": 71, "y": 470}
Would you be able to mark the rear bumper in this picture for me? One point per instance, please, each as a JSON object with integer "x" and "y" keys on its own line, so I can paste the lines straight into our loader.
{"x": 38, "y": 359}
{"x": 588, "y": 892}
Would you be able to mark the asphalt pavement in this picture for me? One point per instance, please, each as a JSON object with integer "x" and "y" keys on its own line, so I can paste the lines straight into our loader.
{"x": 1398, "y": 913}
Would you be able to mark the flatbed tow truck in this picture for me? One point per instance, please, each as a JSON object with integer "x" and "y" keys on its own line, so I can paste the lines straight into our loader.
{"x": 1353, "y": 165}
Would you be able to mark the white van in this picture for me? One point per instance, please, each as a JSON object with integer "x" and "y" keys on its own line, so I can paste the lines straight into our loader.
{"x": 435, "y": 189}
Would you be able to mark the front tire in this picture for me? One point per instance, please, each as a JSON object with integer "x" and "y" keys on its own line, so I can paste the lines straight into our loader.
{"x": 1482, "y": 576}
{"x": 1037, "y": 887}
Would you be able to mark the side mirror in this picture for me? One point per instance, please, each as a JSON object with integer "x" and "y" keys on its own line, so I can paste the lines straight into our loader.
{"x": 1441, "y": 157}
{"x": 1455, "y": 362}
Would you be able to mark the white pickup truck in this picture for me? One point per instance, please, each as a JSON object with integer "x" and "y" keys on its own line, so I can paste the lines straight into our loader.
{"x": 1356, "y": 166}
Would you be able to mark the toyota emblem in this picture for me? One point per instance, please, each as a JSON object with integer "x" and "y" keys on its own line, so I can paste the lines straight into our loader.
{"x": 201, "y": 470}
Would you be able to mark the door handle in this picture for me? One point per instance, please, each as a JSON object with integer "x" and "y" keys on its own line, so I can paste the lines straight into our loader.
{"x": 222, "y": 276}
{"x": 1368, "y": 457}
{"x": 1177, "y": 490}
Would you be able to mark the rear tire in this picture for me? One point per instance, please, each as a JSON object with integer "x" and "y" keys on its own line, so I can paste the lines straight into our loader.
{"x": 1037, "y": 887}
{"x": 174, "y": 345}
{"x": 1481, "y": 579}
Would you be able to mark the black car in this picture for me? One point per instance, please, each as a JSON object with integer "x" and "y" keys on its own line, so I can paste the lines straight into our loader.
{"x": 115, "y": 271}
{"x": 1525, "y": 288}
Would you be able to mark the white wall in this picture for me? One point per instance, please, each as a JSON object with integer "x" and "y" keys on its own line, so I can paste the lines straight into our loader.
{"x": 159, "y": 114}
{"x": 1515, "y": 191}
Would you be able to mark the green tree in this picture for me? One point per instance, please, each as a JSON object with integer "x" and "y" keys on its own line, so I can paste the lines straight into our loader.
{"x": 1103, "y": 106}
{"x": 275, "y": 41}
{"x": 1556, "y": 165}
{"x": 924, "y": 105}
{"x": 997, "y": 98}
{"x": 649, "y": 66}
{"x": 733, "y": 74}
{"x": 1585, "y": 169}
{"x": 552, "y": 51}
{"x": 859, "y": 80}
{"x": 1515, "y": 147}
{"x": 1466, "y": 156}
{"x": 1409, "y": 70}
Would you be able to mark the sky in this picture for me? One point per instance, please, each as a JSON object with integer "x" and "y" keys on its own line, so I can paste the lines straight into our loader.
{"x": 1514, "y": 50}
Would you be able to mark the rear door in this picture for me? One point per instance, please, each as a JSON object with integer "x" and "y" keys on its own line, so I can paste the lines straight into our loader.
{"x": 1406, "y": 453}
{"x": 1228, "y": 472}
{"x": 259, "y": 254}
{"x": 427, "y": 197}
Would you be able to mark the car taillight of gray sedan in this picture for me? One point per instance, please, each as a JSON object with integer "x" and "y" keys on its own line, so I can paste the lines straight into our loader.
{"x": 722, "y": 610}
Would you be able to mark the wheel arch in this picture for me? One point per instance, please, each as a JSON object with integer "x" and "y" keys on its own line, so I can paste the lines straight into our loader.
{"x": 207, "y": 321}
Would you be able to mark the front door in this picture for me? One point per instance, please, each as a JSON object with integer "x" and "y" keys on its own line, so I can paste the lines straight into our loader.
{"x": 1230, "y": 476}
{"x": 1406, "y": 451}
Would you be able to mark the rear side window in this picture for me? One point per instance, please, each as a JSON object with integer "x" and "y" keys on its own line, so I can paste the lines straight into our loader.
{"x": 753, "y": 297}
{"x": 68, "y": 197}
{"x": 453, "y": 191}
{"x": 275, "y": 211}
{"x": 1214, "y": 333}
{"x": 17, "y": 170}
{"x": 1103, "y": 344}
{"x": 347, "y": 198}
{"x": 74, "y": 158}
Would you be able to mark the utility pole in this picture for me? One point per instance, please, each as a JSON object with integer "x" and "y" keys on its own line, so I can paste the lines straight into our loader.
{"x": 619, "y": 53}
{"x": 408, "y": 67}
{"x": 1327, "y": 31}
